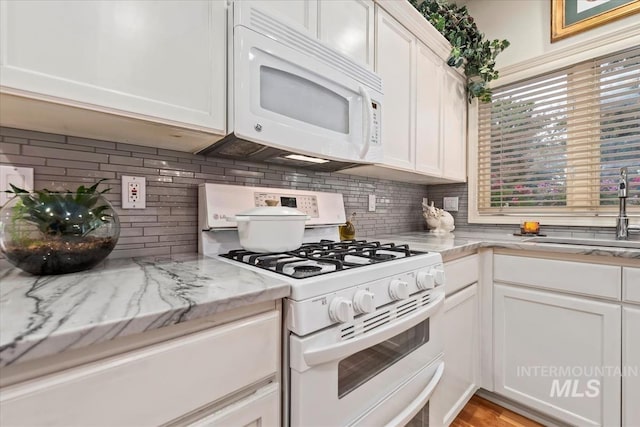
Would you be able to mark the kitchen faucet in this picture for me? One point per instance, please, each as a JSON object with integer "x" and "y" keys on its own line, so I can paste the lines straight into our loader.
{"x": 622, "y": 222}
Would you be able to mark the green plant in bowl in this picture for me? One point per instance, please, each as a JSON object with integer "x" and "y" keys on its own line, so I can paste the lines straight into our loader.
{"x": 55, "y": 232}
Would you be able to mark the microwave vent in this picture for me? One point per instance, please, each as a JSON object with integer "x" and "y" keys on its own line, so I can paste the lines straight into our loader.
{"x": 296, "y": 40}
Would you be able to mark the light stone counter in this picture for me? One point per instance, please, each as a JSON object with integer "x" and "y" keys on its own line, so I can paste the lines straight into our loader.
{"x": 45, "y": 315}
{"x": 457, "y": 243}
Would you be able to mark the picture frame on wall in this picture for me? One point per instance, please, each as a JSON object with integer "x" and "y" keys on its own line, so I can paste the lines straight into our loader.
{"x": 569, "y": 17}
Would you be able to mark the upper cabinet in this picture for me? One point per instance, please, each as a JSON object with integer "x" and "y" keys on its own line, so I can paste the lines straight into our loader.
{"x": 159, "y": 61}
{"x": 300, "y": 13}
{"x": 395, "y": 60}
{"x": 345, "y": 25}
{"x": 348, "y": 27}
{"x": 454, "y": 127}
{"x": 424, "y": 113}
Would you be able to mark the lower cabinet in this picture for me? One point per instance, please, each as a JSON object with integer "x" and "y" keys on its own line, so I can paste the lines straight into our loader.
{"x": 461, "y": 357}
{"x": 631, "y": 366}
{"x": 561, "y": 354}
{"x": 210, "y": 377}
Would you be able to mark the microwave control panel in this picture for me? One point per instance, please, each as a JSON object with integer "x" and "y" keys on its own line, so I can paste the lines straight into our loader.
{"x": 304, "y": 203}
{"x": 375, "y": 133}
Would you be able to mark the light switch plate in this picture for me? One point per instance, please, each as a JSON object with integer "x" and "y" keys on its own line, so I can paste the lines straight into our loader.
{"x": 372, "y": 202}
{"x": 450, "y": 204}
{"x": 134, "y": 192}
{"x": 20, "y": 177}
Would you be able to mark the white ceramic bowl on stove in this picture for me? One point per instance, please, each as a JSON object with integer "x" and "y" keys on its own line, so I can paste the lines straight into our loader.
{"x": 271, "y": 229}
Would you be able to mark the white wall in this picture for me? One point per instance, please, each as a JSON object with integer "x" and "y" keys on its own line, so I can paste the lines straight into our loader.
{"x": 526, "y": 24}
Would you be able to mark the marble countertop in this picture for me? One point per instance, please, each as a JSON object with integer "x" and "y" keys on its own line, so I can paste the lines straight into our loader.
{"x": 44, "y": 315}
{"x": 456, "y": 243}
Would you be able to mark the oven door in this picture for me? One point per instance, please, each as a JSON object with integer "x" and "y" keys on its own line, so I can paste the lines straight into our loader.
{"x": 293, "y": 101}
{"x": 381, "y": 374}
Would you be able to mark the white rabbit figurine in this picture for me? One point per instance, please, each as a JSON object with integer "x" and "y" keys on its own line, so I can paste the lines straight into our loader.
{"x": 438, "y": 220}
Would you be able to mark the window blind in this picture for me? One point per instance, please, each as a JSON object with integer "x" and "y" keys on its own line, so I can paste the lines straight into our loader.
{"x": 554, "y": 144}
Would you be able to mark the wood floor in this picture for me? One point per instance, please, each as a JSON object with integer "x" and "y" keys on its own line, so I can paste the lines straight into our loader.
{"x": 480, "y": 412}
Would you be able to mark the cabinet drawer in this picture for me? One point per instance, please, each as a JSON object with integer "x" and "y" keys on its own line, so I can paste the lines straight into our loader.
{"x": 460, "y": 273}
{"x": 153, "y": 385}
{"x": 631, "y": 284}
{"x": 568, "y": 276}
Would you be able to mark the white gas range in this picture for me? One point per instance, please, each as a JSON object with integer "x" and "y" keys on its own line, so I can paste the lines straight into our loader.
{"x": 362, "y": 336}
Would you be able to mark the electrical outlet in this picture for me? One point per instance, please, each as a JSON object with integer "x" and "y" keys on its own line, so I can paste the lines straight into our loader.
{"x": 372, "y": 202}
{"x": 134, "y": 192}
{"x": 20, "y": 177}
{"x": 450, "y": 204}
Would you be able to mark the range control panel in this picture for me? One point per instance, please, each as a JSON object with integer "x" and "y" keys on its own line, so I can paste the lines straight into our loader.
{"x": 304, "y": 203}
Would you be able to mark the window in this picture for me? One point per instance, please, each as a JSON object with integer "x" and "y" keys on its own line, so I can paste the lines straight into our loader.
{"x": 554, "y": 144}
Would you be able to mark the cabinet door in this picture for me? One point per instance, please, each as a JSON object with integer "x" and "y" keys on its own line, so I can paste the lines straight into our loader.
{"x": 152, "y": 385}
{"x": 631, "y": 362}
{"x": 301, "y": 13}
{"x": 454, "y": 122}
{"x": 558, "y": 354}
{"x": 429, "y": 81}
{"x": 164, "y": 60}
{"x": 395, "y": 53}
{"x": 347, "y": 25}
{"x": 461, "y": 357}
{"x": 261, "y": 409}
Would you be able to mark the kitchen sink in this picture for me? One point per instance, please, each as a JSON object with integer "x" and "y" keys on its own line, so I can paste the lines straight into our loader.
{"x": 586, "y": 242}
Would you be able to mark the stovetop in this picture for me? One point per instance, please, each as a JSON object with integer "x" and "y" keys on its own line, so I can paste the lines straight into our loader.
{"x": 326, "y": 256}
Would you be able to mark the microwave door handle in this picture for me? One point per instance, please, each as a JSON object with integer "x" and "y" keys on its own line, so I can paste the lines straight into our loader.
{"x": 320, "y": 355}
{"x": 418, "y": 403}
{"x": 368, "y": 120}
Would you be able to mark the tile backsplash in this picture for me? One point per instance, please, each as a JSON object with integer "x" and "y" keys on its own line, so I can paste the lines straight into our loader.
{"x": 169, "y": 223}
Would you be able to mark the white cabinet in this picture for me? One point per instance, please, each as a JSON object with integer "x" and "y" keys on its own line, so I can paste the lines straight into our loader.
{"x": 261, "y": 409}
{"x": 164, "y": 61}
{"x": 461, "y": 356}
{"x": 454, "y": 127}
{"x": 441, "y": 118}
{"x": 550, "y": 353}
{"x": 630, "y": 362}
{"x": 395, "y": 63}
{"x": 162, "y": 383}
{"x": 424, "y": 114}
{"x": 300, "y": 13}
{"x": 345, "y": 25}
{"x": 429, "y": 88}
{"x": 348, "y": 26}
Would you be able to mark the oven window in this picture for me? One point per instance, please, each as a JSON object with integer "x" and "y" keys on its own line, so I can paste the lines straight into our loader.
{"x": 360, "y": 367}
{"x": 301, "y": 99}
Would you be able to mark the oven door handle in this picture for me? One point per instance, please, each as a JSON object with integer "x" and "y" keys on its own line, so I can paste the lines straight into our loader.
{"x": 418, "y": 403}
{"x": 318, "y": 356}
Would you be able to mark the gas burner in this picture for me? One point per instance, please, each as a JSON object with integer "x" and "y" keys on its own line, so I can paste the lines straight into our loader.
{"x": 267, "y": 262}
{"x": 307, "y": 268}
{"x": 382, "y": 257}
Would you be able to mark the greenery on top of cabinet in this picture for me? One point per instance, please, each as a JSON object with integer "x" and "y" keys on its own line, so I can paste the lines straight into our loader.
{"x": 469, "y": 45}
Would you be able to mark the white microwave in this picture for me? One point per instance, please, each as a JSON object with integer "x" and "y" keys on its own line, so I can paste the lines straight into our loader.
{"x": 296, "y": 101}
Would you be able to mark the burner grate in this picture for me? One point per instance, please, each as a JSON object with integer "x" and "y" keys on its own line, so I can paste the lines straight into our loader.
{"x": 325, "y": 256}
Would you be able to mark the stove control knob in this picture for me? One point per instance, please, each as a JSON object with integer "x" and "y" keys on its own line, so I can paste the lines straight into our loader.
{"x": 363, "y": 302}
{"x": 425, "y": 280}
{"x": 438, "y": 276}
{"x": 341, "y": 310}
{"x": 399, "y": 289}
